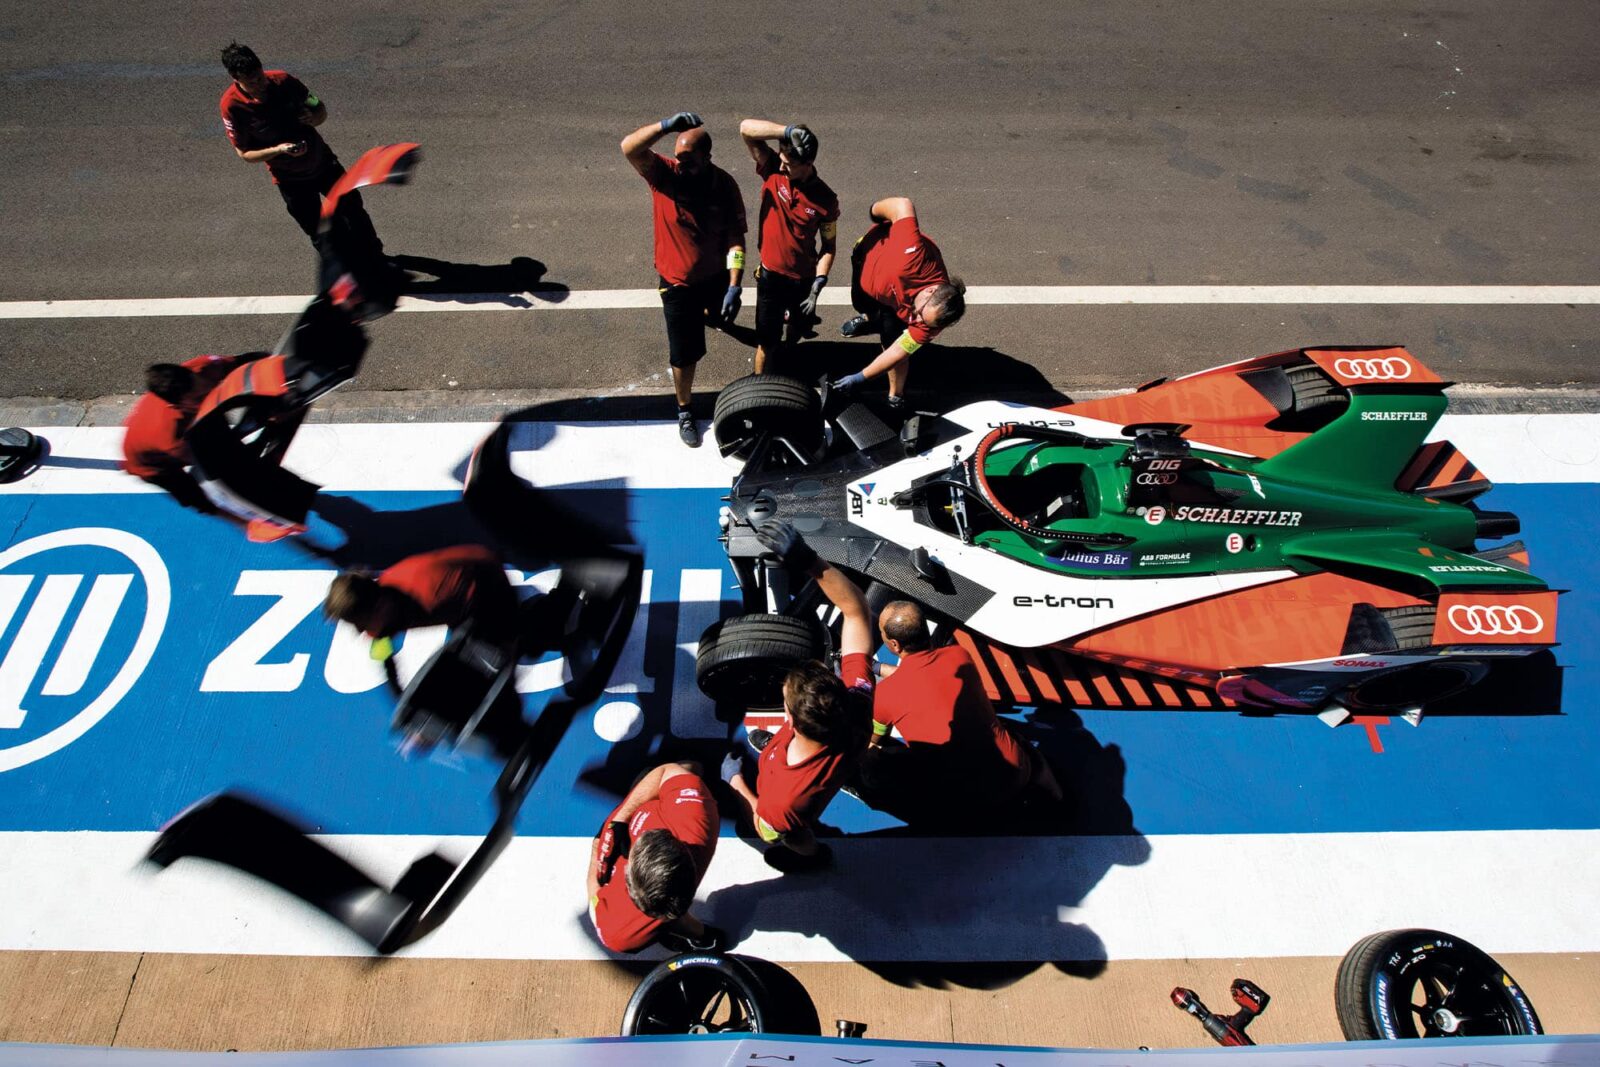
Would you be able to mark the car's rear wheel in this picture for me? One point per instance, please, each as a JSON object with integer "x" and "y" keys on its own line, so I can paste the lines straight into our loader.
{"x": 1413, "y": 686}
{"x": 742, "y": 660}
{"x": 1423, "y": 983}
{"x": 785, "y": 410}
{"x": 715, "y": 994}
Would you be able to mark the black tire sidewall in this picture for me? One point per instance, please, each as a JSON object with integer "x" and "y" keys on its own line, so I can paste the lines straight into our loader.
{"x": 732, "y": 971}
{"x": 1376, "y": 976}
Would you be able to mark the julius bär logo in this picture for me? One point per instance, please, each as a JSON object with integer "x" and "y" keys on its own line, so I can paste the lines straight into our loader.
{"x": 81, "y": 612}
{"x": 1385, "y": 369}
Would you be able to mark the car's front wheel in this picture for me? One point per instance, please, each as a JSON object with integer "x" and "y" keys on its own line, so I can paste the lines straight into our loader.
{"x": 715, "y": 994}
{"x": 782, "y": 410}
{"x": 742, "y": 660}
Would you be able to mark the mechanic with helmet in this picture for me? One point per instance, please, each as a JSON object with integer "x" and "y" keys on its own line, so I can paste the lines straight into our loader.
{"x": 153, "y": 447}
{"x": 444, "y": 587}
{"x": 900, "y": 287}
{"x": 935, "y": 701}
{"x": 800, "y": 768}
{"x": 798, "y": 227}
{"x": 648, "y": 861}
{"x": 699, "y": 245}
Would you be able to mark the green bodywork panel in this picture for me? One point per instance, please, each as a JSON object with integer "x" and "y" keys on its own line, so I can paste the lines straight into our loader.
{"x": 1327, "y": 502}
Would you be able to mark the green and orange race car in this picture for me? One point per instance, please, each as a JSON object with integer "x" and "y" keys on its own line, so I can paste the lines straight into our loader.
{"x": 1276, "y": 533}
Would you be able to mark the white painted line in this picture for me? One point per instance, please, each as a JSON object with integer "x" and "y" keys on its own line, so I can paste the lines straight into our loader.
{"x": 346, "y": 457}
{"x": 1019, "y": 898}
{"x": 837, "y": 296}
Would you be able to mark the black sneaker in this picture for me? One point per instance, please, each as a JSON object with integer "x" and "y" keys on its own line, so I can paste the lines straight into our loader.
{"x": 758, "y": 740}
{"x": 713, "y": 939}
{"x": 897, "y": 404}
{"x": 856, "y": 326}
{"x": 688, "y": 431}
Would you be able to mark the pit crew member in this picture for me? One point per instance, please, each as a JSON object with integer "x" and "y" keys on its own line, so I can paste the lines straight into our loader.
{"x": 154, "y": 448}
{"x": 444, "y": 587}
{"x": 899, "y": 284}
{"x": 936, "y": 702}
{"x": 648, "y": 860}
{"x": 798, "y": 226}
{"x": 699, "y": 244}
{"x": 271, "y": 117}
{"x": 803, "y": 765}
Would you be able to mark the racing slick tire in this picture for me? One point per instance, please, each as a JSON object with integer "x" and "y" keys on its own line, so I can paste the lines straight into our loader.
{"x": 1413, "y": 686}
{"x": 1313, "y": 389}
{"x": 742, "y": 660}
{"x": 1412, "y": 626}
{"x": 1463, "y": 992}
{"x": 710, "y": 993}
{"x": 787, "y": 410}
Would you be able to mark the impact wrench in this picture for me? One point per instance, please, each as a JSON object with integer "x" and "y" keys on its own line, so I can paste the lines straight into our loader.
{"x": 1251, "y": 999}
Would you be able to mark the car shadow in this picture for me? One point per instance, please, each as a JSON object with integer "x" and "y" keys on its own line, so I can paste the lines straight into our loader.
{"x": 942, "y": 376}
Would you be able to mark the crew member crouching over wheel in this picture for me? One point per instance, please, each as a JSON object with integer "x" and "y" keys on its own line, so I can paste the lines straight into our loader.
{"x": 804, "y": 765}
{"x": 153, "y": 447}
{"x": 648, "y": 860}
{"x": 445, "y": 587}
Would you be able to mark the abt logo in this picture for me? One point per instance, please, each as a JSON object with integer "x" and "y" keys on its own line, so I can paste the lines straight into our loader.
{"x": 1385, "y": 369}
{"x": 86, "y": 645}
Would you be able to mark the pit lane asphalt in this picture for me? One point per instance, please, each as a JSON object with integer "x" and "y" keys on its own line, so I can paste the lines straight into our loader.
{"x": 1083, "y": 144}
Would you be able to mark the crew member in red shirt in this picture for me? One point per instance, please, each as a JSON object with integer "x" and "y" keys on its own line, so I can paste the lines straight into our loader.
{"x": 154, "y": 448}
{"x": 799, "y": 226}
{"x": 801, "y": 767}
{"x": 648, "y": 861}
{"x": 445, "y": 587}
{"x": 271, "y": 117}
{"x": 899, "y": 284}
{"x": 969, "y": 758}
{"x": 699, "y": 239}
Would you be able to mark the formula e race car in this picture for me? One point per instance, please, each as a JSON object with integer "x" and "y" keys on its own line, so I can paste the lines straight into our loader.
{"x": 1272, "y": 534}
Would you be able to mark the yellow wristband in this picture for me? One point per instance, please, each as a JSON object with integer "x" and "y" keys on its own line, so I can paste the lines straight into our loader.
{"x": 736, "y": 259}
{"x": 879, "y": 729}
{"x": 765, "y": 832}
{"x": 907, "y": 343}
{"x": 382, "y": 648}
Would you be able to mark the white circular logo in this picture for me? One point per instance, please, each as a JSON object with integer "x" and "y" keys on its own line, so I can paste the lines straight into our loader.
{"x": 1495, "y": 620}
{"x": 1389, "y": 368}
{"x": 37, "y": 631}
{"x": 1156, "y": 516}
{"x": 1235, "y": 542}
{"x": 1155, "y": 479}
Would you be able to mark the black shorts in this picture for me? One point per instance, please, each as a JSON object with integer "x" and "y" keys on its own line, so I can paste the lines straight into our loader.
{"x": 686, "y": 308}
{"x": 776, "y": 295}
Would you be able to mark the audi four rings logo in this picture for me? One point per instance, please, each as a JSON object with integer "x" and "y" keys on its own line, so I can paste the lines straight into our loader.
{"x": 1495, "y": 620}
{"x": 1156, "y": 479}
{"x": 1389, "y": 368}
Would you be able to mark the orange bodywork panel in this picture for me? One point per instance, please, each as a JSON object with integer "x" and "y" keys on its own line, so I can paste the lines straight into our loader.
{"x": 1297, "y": 619}
{"x": 1053, "y": 676}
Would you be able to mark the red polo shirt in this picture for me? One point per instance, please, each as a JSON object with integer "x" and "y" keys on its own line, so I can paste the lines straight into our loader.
{"x": 936, "y": 698}
{"x": 790, "y": 217}
{"x": 253, "y": 124}
{"x": 900, "y": 266}
{"x": 696, "y": 222}
{"x": 451, "y": 585}
{"x": 154, "y": 441}
{"x": 791, "y": 796}
{"x": 687, "y": 811}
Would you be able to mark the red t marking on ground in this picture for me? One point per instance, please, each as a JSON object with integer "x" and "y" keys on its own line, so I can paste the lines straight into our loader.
{"x": 1372, "y": 722}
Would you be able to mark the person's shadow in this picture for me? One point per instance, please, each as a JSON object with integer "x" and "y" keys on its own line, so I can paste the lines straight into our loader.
{"x": 988, "y": 910}
{"x": 510, "y": 283}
